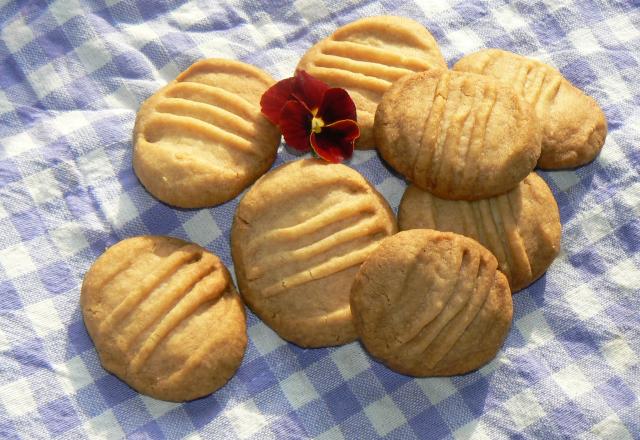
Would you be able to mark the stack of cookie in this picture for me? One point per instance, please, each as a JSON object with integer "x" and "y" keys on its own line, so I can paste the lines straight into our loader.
{"x": 316, "y": 249}
{"x": 468, "y": 140}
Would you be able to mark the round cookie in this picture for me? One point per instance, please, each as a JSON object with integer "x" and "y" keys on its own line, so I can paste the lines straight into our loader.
{"x": 164, "y": 317}
{"x": 458, "y": 135}
{"x": 574, "y": 126}
{"x": 521, "y": 227}
{"x": 429, "y": 303}
{"x": 201, "y": 140}
{"x": 298, "y": 237}
{"x": 366, "y": 56}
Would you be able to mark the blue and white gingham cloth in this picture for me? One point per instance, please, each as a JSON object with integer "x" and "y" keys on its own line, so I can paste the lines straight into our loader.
{"x": 72, "y": 75}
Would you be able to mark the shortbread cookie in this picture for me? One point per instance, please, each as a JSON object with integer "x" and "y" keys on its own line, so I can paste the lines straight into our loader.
{"x": 574, "y": 127}
{"x": 201, "y": 140}
{"x": 366, "y": 56}
{"x": 456, "y": 134}
{"x": 429, "y": 303}
{"x": 298, "y": 237}
{"x": 165, "y": 317}
{"x": 521, "y": 227}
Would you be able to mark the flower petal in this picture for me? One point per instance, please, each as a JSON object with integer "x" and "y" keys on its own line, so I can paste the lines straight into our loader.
{"x": 274, "y": 99}
{"x": 336, "y": 106}
{"x": 295, "y": 124}
{"x": 309, "y": 90}
{"x": 335, "y": 142}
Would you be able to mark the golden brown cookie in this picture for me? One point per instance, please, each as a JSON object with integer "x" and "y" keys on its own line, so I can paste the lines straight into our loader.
{"x": 298, "y": 237}
{"x": 458, "y": 135}
{"x": 522, "y": 227}
{"x": 165, "y": 317}
{"x": 574, "y": 127}
{"x": 429, "y": 303}
{"x": 201, "y": 140}
{"x": 366, "y": 56}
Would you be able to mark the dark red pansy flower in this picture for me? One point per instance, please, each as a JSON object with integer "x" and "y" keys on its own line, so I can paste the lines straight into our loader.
{"x": 311, "y": 114}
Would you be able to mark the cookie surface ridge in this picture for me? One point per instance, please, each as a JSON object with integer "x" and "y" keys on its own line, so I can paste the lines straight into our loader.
{"x": 429, "y": 303}
{"x": 201, "y": 140}
{"x": 366, "y": 56}
{"x": 298, "y": 237}
{"x": 164, "y": 317}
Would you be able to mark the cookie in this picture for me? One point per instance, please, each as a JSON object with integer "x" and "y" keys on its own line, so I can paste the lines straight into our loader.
{"x": 298, "y": 237}
{"x": 366, "y": 56}
{"x": 429, "y": 303}
{"x": 459, "y": 135}
{"x": 574, "y": 127}
{"x": 164, "y": 317}
{"x": 201, "y": 140}
{"x": 521, "y": 227}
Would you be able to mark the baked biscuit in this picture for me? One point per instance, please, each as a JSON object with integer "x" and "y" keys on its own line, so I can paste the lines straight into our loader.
{"x": 458, "y": 135}
{"x": 164, "y": 317}
{"x": 201, "y": 140}
{"x": 366, "y": 56}
{"x": 429, "y": 303}
{"x": 574, "y": 127}
{"x": 298, "y": 237}
{"x": 521, "y": 227}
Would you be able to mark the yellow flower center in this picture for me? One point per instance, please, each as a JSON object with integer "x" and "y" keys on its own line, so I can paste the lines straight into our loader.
{"x": 317, "y": 124}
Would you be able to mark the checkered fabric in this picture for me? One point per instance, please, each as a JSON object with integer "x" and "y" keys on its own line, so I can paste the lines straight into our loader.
{"x": 72, "y": 75}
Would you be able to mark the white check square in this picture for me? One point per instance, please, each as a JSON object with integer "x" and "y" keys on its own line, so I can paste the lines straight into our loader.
{"x": 95, "y": 166}
{"x": 104, "y": 426}
{"x": 571, "y": 380}
{"x": 16, "y": 34}
{"x": 384, "y": 415}
{"x": 4, "y": 342}
{"x": 392, "y": 189}
{"x": 619, "y": 355}
{"x": 42, "y": 186}
{"x": 611, "y": 427}
{"x": 45, "y": 80}
{"x": 626, "y": 276}
{"x": 535, "y": 329}
{"x": 93, "y": 55}
{"x": 465, "y": 40}
{"x": 473, "y": 430}
{"x": 508, "y": 18}
{"x": 5, "y": 105}
{"x": 44, "y": 317}
{"x": 350, "y": 360}
{"x": 265, "y": 339}
{"x": 596, "y": 224}
{"x": 437, "y": 389}
{"x": 122, "y": 98}
{"x": 158, "y": 408}
{"x": 65, "y": 10}
{"x": 564, "y": 179}
{"x": 187, "y": 15}
{"x": 584, "y": 40}
{"x": 18, "y": 144}
{"x": 17, "y": 398}
{"x": 311, "y": 10}
{"x": 524, "y": 409}
{"x": 246, "y": 419}
{"x": 120, "y": 210}
{"x": 433, "y": 7}
{"x": 202, "y": 228}
{"x": 73, "y": 375}
{"x": 331, "y": 434}
{"x": 622, "y": 28}
{"x": 298, "y": 389}
{"x": 16, "y": 261}
{"x": 584, "y": 302}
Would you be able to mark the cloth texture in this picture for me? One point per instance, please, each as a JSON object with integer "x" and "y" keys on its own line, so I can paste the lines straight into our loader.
{"x": 72, "y": 76}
